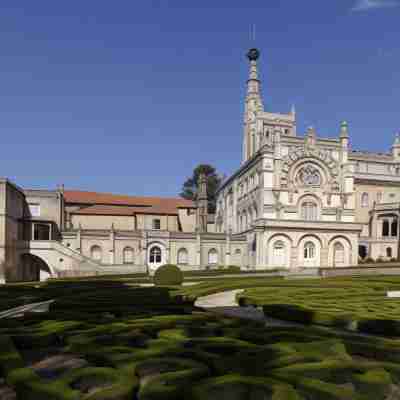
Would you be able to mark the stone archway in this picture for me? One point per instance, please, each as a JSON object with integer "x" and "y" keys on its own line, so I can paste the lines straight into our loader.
{"x": 279, "y": 251}
{"x": 33, "y": 268}
{"x": 309, "y": 248}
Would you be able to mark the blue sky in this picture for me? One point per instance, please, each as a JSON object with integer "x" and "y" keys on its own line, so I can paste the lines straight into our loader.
{"x": 129, "y": 96}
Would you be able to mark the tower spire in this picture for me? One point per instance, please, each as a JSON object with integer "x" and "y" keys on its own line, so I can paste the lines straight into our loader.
{"x": 253, "y": 105}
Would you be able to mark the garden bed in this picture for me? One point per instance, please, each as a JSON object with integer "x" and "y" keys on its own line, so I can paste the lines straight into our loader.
{"x": 358, "y": 304}
{"x": 109, "y": 341}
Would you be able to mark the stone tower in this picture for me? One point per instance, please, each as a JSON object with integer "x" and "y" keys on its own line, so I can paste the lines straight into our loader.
{"x": 253, "y": 105}
{"x": 202, "y": 203}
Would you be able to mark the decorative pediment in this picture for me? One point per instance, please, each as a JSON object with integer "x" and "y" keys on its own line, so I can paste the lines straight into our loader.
{"x": 309, "y": 174}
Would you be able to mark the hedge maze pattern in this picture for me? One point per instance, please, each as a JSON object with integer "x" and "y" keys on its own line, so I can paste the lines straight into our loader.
{"x": 113, "y": 342}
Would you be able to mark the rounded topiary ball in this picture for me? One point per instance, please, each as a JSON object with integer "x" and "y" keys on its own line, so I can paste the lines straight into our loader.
{"x": 168, "y": 274}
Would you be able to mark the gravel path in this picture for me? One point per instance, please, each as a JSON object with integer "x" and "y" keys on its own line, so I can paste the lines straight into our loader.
{"x": 225, "y": 303}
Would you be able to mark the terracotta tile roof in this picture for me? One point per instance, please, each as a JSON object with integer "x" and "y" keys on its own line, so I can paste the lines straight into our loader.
{"x": 111, "y": 204}
{"x": 102, "y": 209}
{"x": 105, "y": 210}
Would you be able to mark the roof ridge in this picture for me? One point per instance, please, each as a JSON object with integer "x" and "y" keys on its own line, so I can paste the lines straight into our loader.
{"x": 124, "y": 195}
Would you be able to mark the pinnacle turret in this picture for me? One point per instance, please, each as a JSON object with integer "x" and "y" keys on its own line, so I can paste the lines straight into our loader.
{"x": 253, "y": 105}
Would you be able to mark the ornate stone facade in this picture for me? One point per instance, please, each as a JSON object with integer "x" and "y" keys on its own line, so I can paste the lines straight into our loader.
{"x": 300, "y": 198}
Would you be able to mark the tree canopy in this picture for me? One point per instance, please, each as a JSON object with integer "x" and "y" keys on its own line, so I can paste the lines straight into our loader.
{"x": 190, "y": 186}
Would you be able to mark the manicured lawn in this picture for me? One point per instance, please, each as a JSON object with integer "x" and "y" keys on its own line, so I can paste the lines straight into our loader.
{"x": 109, "y": 340}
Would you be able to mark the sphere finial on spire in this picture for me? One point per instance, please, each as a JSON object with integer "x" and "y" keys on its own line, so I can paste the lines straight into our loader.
{"x": 253, "y": 54}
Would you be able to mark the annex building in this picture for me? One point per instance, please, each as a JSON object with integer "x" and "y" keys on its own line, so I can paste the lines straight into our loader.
{"x": 295, "y": 202}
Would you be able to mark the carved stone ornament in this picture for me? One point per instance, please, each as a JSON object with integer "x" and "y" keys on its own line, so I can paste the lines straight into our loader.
{"x": 309, "y": 176}
{"x": 297, "y": 153}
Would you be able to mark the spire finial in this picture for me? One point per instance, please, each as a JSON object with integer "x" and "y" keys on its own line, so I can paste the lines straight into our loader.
{"x": 343, "y": 129}
{"x": 253, "y": 54}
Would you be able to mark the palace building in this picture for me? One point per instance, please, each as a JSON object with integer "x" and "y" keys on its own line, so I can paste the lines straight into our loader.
{"x": 295, "y": 202}
{"x": 308, "y": 201}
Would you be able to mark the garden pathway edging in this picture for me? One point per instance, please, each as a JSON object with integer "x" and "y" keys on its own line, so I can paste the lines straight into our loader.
{"x": 41, "y": 306}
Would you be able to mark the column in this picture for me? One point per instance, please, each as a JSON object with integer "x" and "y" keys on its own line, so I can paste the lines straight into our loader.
{"x": 324, "y": 257}
{"x": 259, "y": 250}
{"x": 79, "y": 238}
{"x": 112, "y": 245}
{"x": 198, "y": 250}
{"x": 294, "y": 255}
{"x": 228, "y": 248}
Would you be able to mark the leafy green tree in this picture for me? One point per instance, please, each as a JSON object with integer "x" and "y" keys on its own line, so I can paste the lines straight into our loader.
{"x": 189, "y": 189}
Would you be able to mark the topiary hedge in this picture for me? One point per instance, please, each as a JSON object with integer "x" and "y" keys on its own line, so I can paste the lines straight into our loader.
{"x": 168, "y": 274}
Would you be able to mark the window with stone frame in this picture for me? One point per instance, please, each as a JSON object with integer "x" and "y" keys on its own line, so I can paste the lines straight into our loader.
{"x": 394, "y": 227}
{"x": 338, "y": 253}
{"x": 309, "y": 211}
{"x": 309, "y": 175}
{"x": 309, "y": 250}
{"x": 128, "y": 255}
{"x": 364, "y": 200}
{"x": 155, "y": 255}
{"x": 385, "y": 228}
{"x": 213, "y": 256}
{"x": 182, "y": 256}
{"x": 96, "y": 253}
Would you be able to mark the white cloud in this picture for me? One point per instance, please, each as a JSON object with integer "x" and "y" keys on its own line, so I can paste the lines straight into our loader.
{"x": 365, "y": 5}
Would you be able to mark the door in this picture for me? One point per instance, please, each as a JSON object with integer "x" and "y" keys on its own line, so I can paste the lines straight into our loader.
{"x": 155, "y": 258}
{"x": 279, "y": 257}
{"x": 310, "y": 255}
{"x": 338, "y": 257}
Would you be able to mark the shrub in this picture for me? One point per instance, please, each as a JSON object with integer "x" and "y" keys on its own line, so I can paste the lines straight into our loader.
{"x": 233, "y": 268}
{"x": 168, "y": 274}
{"x": 369, "y": 260}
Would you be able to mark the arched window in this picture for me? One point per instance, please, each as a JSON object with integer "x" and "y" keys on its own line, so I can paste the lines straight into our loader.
{"x": 182, "y": 256}
{"x": 394, "y": 225}
{"x": 385, "y": 228}
{"x": 213, "y": 256}
{"x": 96, "y": 253}
{"x": 279, "y": 254}
{"x": 389, "y": 252}
{"x": 155, "y": 255}
{"x": 309, "y": 250}
{"x": 338, "y": 253}
{"x": 309, "y": 211}
{"x": 128, "y": 255}
{"x": 364, "y": 200}
{"x": 237, "y": 257}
